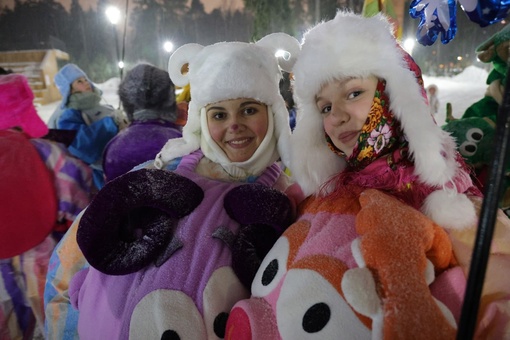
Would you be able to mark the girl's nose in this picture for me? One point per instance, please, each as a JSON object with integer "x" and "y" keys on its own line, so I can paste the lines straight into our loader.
{"x": 338, "y": 116}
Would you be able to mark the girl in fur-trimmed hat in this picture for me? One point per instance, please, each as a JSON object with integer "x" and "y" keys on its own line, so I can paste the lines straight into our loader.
{"x": 370, "y": 255}
{"x": 172, "y": 246}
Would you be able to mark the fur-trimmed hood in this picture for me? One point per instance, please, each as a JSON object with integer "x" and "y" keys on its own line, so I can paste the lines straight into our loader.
{"x": 232, "y": 70}
{"x": 354, "y": 46}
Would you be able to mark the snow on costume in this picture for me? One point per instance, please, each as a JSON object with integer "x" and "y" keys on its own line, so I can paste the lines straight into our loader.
{"x": 362, "y": 261}
{"x": 81, "y": 111}
{"x": 172, "y": 249}
{"x": 148, "y": 97}
{"x": 36, "y": 203}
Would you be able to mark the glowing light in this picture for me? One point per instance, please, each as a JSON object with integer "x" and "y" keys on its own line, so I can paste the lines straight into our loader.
{"x": 168, "y": 46}
{"x": 113, "y": 15}
{"x": 409, "y": 45}
{"x": 121, "y": 64}
{"x": 282, "y": 54}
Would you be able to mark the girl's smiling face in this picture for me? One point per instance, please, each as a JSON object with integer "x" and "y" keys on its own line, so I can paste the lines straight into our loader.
{"x": 345, "y": 105}
{"x": 238, "y": 126}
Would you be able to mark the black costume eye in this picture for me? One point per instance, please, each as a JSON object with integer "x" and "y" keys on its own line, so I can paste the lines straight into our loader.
{"x": 170, "y": 335}
{"x": 220, "y": 324}
{"x": 316, "y": 317}
{"x": 474, "y": 135}
{"x": 270, "y": 272}
{"x": 468, "y": 149}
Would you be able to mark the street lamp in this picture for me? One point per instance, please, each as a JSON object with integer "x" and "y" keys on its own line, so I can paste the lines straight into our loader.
{"x": 168, "y": 46}
{"x": 113, "y": 15}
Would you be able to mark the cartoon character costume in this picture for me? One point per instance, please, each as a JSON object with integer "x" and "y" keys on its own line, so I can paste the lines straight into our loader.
{"x": 370, "y": 256}
{"x": 170, "y": 249}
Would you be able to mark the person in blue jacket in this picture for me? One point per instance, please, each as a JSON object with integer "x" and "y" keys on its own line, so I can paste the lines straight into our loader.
{"x": 95, "y": 124}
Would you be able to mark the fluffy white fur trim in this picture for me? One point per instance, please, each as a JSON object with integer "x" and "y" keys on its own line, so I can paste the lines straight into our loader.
{"x": 355, "y": 46}
{"x": 231, "y": 70}
{"x": 450, "y": 209}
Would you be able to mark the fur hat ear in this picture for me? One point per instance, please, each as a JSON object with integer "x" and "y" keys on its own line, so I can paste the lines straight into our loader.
{"x": 178, "y": 61}
{"x": 285, "y": 47}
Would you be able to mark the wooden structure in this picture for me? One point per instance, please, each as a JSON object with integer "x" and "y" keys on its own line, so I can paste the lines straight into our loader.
{"x": 40, "y": 67}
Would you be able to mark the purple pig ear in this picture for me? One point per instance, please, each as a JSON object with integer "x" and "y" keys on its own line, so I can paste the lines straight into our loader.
{"x": 131, "y": 220}
{"x": 264, "y": 213}
{"x": 257, "y": 204}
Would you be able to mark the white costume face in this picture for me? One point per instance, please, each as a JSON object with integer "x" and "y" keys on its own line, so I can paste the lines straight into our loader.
{"x": 345, "y": 105}
{"x": 238, "y": 126}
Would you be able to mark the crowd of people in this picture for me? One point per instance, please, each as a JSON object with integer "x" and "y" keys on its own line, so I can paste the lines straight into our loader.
{"x": 297, "y": 197}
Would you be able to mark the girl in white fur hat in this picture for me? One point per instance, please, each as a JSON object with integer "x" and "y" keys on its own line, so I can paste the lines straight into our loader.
{"x": 191, "y": 230}
{"x": 370, "y": 255}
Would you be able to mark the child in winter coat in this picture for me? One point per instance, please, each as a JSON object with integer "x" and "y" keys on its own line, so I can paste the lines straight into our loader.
{"x": 148, "y": 98}
{"x": 43, "y": 188}
{"x": 172, "y": 247}
{"x": 370, "y": 255}
{"x": 95, "y": 124}
{"x": 433, "y": 99}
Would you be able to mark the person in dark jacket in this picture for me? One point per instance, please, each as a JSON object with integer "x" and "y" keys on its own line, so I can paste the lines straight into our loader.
{"x": 148, "y": 97}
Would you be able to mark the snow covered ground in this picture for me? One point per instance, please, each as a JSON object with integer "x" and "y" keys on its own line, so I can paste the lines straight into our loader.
{"x": 461, "y": 91}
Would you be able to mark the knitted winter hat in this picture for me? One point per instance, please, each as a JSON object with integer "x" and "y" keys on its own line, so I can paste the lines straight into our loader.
{"x": 17, "y": 107}
{"x": 65, "y": 77}
{"x": 232, "y": 70}
{"x": 147, "y": 87}
{"x": 354, "y": 46}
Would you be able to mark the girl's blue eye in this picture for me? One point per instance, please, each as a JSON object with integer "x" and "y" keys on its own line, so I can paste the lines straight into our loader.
{"x": 354, "y": 94}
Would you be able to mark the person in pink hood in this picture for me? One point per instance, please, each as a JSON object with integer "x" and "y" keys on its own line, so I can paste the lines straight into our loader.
{"x": 43, "y": 188}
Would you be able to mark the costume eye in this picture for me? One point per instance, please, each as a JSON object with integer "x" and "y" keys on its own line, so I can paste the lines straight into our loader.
{"x": 310, "y": 307}
{"x": 474, "y": 135}
{"x": 222, "y": 291}
{"x": 468, "y": 148}
{"x": 272, "y": 269}
{"x": 166, "y": 314}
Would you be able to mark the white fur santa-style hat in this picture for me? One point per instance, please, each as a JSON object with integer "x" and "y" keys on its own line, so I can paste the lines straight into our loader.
{"x": 354, "y": 46}
{"x": 233, "y": 70}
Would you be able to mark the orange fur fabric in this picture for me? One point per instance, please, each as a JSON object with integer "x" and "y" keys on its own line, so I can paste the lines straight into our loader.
{"x": 396, "y": 241}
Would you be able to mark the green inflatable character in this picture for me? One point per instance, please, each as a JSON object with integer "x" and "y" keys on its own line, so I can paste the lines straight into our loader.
{"x": 475, "y": 130}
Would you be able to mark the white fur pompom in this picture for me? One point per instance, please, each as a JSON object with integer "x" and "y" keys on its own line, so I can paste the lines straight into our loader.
{"x": 450, "y": 209}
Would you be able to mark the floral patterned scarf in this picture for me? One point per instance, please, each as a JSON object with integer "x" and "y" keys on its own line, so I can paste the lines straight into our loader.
{"x": 380, "y": 136}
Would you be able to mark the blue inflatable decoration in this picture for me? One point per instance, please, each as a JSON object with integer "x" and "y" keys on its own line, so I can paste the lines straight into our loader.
{"x": 485, "y": 12}
{"x": 438, "y": 17}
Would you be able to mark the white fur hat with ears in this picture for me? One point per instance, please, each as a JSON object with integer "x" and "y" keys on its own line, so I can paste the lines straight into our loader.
{"x": 354, "y": 46}
{"x": 231, "y": 70}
